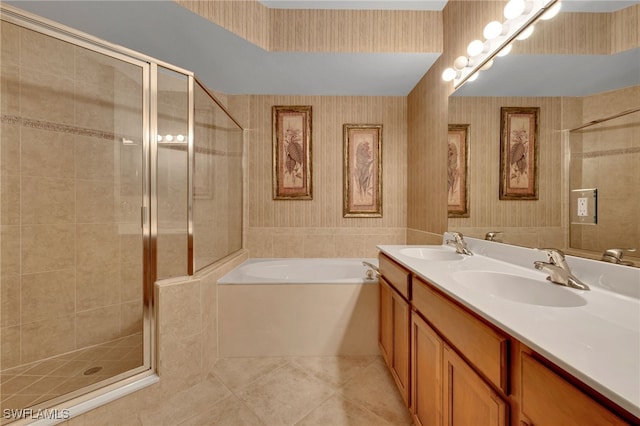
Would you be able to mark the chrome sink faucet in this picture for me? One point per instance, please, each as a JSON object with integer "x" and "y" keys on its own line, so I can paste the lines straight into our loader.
{"x": 558, "y": 270}
{"x": 615, "y": 256}
{"x": 459, "y": 243}
{"x": 491, "y": 235}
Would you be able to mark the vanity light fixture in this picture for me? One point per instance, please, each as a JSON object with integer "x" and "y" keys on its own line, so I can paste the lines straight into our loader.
{"x": 170, "y": 139}
{"x": 520, "y": 17}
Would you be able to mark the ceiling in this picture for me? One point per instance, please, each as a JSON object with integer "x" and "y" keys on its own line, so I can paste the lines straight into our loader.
{"x": 229, "y": 64}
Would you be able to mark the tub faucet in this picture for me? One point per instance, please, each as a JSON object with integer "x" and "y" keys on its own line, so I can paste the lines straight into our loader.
{"x": 615, "y": 256}
{"x": 459, "y": 243}
{"x": 491, "y": 236}
{"x": 558, "y": 270}
{"x": 373, "y": 270}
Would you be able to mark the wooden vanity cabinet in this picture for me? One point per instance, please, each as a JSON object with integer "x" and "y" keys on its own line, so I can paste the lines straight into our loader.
{"x": 446, "y": 390}
{"x": 548, "y": 399}
{"x": 395, "y": 311}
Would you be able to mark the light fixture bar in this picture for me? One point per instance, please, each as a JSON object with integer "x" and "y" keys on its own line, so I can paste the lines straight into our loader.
{"x": 512, "y": 28}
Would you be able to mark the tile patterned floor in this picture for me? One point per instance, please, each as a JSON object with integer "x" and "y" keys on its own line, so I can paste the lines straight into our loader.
{"x": 293, "y": 391}
{"x": 31, "y": 384}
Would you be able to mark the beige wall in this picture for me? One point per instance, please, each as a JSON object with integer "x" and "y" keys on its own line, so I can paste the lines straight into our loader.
{"x": 317, "y": 228}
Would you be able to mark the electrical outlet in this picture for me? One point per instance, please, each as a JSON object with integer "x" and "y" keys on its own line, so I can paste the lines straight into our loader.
{"x": 583, "y": 209}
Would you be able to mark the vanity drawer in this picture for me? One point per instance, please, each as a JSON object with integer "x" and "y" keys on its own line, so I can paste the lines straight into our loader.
{"x": 396, "y": 275}
{"x": 482, "y": 345}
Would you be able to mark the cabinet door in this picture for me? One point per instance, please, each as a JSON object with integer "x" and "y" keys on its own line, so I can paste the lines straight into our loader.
{"x": 426, "y": 374}
{"x": 547, "y": 399}
{"x": 401, "y": 356}
{"x": 468, "y": 400}
{"x": 385, "y": 332}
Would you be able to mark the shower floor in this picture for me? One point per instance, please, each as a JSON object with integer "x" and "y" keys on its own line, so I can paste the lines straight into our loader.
{"x": 31, "y": 384}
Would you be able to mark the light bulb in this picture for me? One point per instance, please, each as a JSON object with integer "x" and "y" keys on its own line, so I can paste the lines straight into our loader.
{"x": 159, "y": 138}
{"x": 475, "y": 48}
{"x": 180, "y": 138}
{"x": 514, "y": 8}
{"x": 526, "y": 33}
{"x": 449, "y": 74}
{"x": 492, "y": 30}
{"x": 461, "y": 62}
{"x": 488, "y": 65}
{"x": 169, "y": 138}
{"x": 553, "y": 11}
{"x": 473, "y": 76}
{"x": 505, "y": 50}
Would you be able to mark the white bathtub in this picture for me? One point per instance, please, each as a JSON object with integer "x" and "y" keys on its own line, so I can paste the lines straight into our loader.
{"x": 298, "y": 307}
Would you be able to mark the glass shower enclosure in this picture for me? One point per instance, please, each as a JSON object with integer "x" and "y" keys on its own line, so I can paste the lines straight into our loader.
{"x": 117, "y": 170}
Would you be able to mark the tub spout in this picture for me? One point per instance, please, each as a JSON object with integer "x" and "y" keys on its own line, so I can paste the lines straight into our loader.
{"x": 372, "y": 272}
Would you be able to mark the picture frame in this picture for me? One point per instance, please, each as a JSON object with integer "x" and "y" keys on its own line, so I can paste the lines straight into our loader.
{"x": 362, "y": 170}
{"x": 292, "y": 162}
{"x": 458, "y": 170}
{"x": 519, "y": 153}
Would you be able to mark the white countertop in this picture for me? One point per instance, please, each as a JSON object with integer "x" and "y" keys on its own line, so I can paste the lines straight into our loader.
{"x": 598, "y": 342}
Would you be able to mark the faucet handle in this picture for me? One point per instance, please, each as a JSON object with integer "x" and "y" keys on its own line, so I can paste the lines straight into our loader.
{"x": 616, "y": 253}
{"x": 491, "y": 235}
{"x": 457, "y": 236}
{"x": 555, "y": 256}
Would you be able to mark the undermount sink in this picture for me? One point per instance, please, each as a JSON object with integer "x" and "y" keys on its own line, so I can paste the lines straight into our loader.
{"x": 431, "y": 253}
{"x": 519, "y": 289}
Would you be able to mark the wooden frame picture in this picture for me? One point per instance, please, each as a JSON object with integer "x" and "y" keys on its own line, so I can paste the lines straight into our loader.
{"x": 458, "y": 170}
{"x": 362, "y": 172}
{"x": 519, "y": 153}
{"x": 292, "y": 177}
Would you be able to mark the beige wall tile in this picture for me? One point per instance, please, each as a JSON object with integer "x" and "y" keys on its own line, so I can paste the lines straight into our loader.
{"x": 97, "y": 326}
{"x": 131, "y": 318}
{"x": 47, "y": 153}
{"x": 95, "y": 201}
{"x": 10, "y": 200}
{"x": 41, "y": 52}
{"x": 10, "y": 84}
{"x": 179, "y": 308}
{"x": 95, "y": 107}
{"x": 48, "y": 97}
{"x": 10, "y": 312}
{"x": 10, "y": 46}
{"x": 47, "y": 200}
{"x": 97, "y": 285}
{"x": 47, "y": 248}
{"x": 44, "y": 339}
{"x": 48, "y": 295}
{"x": 97, "y": 244}
{"x": 10, "y": 348}
{"x": 96, "y": 158}
{"x": 10, "y": 246}
{"x": 10, "y": 146}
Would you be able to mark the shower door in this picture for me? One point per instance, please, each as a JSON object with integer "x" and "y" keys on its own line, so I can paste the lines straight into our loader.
{"x": 74, "y": 225}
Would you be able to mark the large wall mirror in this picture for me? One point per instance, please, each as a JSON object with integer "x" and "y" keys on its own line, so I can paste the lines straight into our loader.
{"x": 581, "y": 71}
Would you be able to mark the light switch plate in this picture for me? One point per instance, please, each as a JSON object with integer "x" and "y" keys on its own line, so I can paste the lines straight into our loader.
{"x": 584, "y": 206}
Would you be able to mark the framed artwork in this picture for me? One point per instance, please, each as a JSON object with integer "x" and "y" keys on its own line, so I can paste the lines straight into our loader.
{"x": 362, "y": 172}
{"x": 292, "y": 153}
{"x": 518, "y": 153}
{"x": 458, "y": 170}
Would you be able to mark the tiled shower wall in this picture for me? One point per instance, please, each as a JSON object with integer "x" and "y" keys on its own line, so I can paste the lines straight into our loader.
{"x": 71, "y": 273}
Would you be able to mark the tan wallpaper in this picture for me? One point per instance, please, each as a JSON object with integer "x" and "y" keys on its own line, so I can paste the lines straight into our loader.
{"x": 317, "y": 228}
{"x": 542, "y": 218}
{"x": 325, "y": 30}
